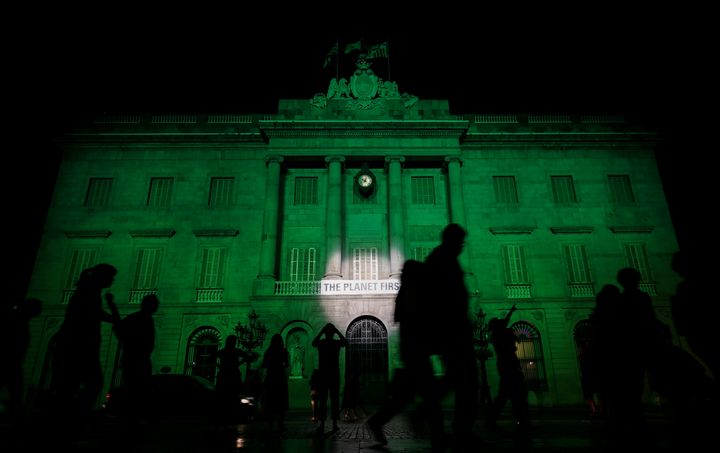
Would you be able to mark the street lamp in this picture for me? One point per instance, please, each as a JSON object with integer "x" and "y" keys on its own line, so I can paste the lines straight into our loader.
{"x": 251, "y": 336}
{"x": 482, "y": 352}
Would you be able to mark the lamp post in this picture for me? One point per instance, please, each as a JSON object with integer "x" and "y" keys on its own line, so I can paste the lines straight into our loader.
{"x": 251, "y": 336}
{"x": 482, "y": 352}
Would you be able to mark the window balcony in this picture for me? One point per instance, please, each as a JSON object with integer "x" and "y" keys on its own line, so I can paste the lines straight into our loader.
{"x": 581, "y": 289}
{"x": 521, "y": 291}
{"x": 210, "y": 295}
{"x": 297, "y": 288}
{"x": 648, "y": 287}
{"x": 137, "y": 295}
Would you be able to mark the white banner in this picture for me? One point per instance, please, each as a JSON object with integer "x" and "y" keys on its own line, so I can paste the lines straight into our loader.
{"x": 344, "y": 287}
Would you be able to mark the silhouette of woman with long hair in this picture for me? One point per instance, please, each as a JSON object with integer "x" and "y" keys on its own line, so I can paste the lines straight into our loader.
{"x": 276, "y": 399}
{"x": 77, "y": 373}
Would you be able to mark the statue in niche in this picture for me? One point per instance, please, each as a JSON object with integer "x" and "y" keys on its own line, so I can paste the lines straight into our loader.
{"x": 296, "y": 348}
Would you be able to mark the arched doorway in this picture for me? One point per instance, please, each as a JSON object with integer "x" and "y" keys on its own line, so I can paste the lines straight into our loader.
{"x": 367, "y": 358}
{"x": 530, "y": 353}
{"x": 202, "y": 351}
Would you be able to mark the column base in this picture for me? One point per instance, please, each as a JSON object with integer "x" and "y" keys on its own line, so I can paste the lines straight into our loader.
{"x": 332, "y": 276}
{"x": 264, "y": 285}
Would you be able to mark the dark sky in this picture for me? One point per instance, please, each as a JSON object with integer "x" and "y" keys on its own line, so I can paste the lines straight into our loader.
{"x": 600, "y": 61}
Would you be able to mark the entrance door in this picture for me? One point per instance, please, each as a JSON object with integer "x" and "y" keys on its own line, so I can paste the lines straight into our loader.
{"x": 366, "y": 360}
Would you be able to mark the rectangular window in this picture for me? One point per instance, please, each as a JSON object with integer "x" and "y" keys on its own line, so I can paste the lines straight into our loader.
{"x": 212, "y": 267}
{"x": 365, "y": 263}
{"x": 302, "y": 264}
{"x": 636, "y": 256}
{"x": 505, "y": 189}
{"x": 513, "y": 257}
{"x": 306, "y": 190}
{"x": 577, "y": 263}
{"x": 420, "y": 253}
{"x": 98, "y": 194}
{"x": 563, "y": 189}
{"x": 147, "y": 268}
{"x": 423, "y": 189}
{"x": 620, "y": 189}
{"x": 221, "y": 191}
{"x": 80, "y": 259}
{"x": 160, "y": 192}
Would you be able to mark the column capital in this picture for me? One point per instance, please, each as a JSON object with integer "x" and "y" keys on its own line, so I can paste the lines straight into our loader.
{"x": 330, "y": 159}
{"x": 274, "y": 158}
{"x": 451, "y": 159}
{"x": 389, "y": 159}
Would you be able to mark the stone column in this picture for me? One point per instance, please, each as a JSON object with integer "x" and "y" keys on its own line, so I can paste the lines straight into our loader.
{"x": 333, "y": 220}
{"x": 396, "y": 244}
{"x": 457, "y": 215}
{"x": 268, "y": 242}
{"x": 457, "y": 206}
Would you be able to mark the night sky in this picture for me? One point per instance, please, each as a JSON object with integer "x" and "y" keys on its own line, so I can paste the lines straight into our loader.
{"x": 488, "y": 62}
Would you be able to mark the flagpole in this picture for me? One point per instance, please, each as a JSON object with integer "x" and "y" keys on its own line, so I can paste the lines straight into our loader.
{"x": 388, "y": 58}
{"x": 337, "y": 59}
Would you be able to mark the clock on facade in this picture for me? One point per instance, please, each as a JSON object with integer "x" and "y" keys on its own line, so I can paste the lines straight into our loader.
{"x": 365, "y": 182}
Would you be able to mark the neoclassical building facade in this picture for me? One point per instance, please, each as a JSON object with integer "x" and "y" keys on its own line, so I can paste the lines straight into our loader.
{"x": 305, "y": 216}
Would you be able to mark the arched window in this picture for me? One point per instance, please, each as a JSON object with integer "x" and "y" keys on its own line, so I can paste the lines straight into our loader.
{"x": 529, "y": 351}
{"x": 366, "y": 358}
{"x": 201, "y": 353}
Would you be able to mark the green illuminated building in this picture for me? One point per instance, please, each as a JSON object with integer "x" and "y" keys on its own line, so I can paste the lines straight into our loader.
{"x": 223, "y": 214}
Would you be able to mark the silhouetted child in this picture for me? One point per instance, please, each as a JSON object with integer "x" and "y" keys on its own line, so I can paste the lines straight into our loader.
{"x": 314, "y": 393}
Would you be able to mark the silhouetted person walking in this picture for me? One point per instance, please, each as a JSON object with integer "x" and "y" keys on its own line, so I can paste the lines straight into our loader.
{"x": 413, "y": 315}
{"x": 512, "y": 380}
{"x": 329, "y": 373}
{"x": 276, "y": 363}
{"x": 229, "y": 379}
{"x": 455, "y": 337}
{"x": 136, "y": 333}
{"x": 604, "y": 343}
{"x": 633, "y": 343}
{"x": 689, "y": 311}
{"x": 14, "y": 341}
{"x": 77, "y": 373}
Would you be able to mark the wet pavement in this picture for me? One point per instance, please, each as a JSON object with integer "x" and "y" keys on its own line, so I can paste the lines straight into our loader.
{"x": 555, "y": 430}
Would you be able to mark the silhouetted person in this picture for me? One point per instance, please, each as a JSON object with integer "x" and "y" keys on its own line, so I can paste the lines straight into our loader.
{"x": 329, "y": 372}
{"x": 689, "y": 311}
{"x": 512, "y": 380}
{"x": 314, "y": 394}
{"x": 276, "y": 363}
{"x": 631, "y": 340}
{"x": 136, "y": 333}
{"x": 351, "y": 394}
{"x": 229, "y": 382}
{"x": 455, "y": 337}
{"x": 77, "y": 373}
{"x": 605, "y": 345}
{"x": 413, "y": 315}
{"x": 680, "y": 380}
{"x": 14, "y": 341}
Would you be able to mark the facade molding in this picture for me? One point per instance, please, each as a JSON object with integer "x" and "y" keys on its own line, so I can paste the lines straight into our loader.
{"x": 85, "y": 234}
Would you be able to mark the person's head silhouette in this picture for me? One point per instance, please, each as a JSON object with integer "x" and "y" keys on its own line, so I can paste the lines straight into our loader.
{"x": 453, "y": 238}
{"x": 150, "y": 304}
{"x": 629, "y": 278}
